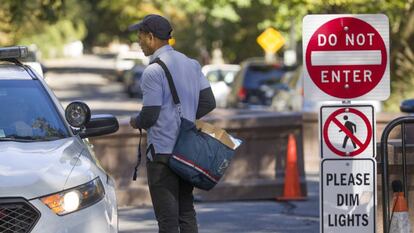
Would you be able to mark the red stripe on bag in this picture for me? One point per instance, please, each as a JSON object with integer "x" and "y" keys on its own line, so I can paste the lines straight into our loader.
{"x": 190, "y": 163}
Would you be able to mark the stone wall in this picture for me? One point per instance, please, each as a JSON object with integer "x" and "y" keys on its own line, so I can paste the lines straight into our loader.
{"x": 256, "y": 172}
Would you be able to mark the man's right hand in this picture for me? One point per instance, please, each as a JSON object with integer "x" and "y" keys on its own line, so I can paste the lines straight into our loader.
{"x": 133, "y": 121}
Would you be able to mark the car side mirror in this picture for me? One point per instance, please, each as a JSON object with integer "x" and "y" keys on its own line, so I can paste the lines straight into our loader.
{"x": 77, "y": 114}
{"x": 407, "y": 106}
{"x": 100, "y": 125}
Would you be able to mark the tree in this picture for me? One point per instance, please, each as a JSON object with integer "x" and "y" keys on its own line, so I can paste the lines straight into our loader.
{"x": 19, "y": 18}
{"x": 401, "y": 17}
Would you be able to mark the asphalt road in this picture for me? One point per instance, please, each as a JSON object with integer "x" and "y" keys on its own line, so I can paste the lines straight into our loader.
{"x": 88, "y": 79}
{"x": 239, "y": 217}
{"x": 229, "y": 217}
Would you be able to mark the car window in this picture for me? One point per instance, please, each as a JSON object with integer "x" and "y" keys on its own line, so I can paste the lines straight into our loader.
{"x": 214, "y": 76}
{"x": 228, "y": 76}
{"x": 27, "y": 112}
{"x": 264, "y": 74}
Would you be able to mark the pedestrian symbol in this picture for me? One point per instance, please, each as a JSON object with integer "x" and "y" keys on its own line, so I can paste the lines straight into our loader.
{"x": 347, "y": 131}
{"x": 352, "y": 129}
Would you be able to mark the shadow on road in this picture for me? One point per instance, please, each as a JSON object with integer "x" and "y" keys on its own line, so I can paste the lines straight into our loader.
{"x": 241, "y": 217}
{"x": 65, "y": 70}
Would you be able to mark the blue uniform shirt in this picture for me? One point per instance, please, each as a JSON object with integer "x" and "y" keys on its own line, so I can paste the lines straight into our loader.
{"x": 188, "y": 80}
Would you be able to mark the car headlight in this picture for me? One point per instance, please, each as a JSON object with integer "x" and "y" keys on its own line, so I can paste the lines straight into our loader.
{"x": 75, "y": 199}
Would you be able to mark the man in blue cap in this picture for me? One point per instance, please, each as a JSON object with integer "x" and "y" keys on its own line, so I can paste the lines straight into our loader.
{"x": 171, "y": 196}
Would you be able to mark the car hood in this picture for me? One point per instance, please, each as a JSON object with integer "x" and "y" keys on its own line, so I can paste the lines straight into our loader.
{"x": 36, "y": 169}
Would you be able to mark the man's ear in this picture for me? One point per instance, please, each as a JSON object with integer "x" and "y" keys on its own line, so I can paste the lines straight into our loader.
{"x": 152, "y": 36}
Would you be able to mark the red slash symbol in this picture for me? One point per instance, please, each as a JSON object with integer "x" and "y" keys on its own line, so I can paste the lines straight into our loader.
{"x": 349, "y": 132}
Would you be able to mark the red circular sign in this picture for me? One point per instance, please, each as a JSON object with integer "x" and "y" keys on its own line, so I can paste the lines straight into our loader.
{"x": 349, "y": 57}
{"x": 332, "y": 120}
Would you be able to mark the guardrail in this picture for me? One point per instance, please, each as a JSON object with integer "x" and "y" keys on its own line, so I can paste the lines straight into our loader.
{"x": 401, "y": 121}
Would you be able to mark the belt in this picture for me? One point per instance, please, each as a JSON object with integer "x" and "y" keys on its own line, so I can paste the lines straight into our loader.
{"x": 163, "y": 158}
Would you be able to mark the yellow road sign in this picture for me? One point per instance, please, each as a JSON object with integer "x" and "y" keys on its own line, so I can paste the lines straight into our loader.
{"x": 271, "y": 40}
{"x": 171, "y": 41}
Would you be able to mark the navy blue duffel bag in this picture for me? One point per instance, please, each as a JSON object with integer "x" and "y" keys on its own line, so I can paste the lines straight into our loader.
{"x": 198, "y": 157}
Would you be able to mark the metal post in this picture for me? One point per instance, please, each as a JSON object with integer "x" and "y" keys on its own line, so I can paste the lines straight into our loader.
{"x": 404, "y": 160}
{"x": 270, "y": 57}
{"x": 384, "y": 154}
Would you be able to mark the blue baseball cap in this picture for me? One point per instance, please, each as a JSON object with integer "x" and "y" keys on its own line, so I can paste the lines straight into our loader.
{"x": 156, "y": 24}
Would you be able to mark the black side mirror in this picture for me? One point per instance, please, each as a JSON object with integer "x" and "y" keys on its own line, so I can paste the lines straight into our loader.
{"x": 77, "y": 114}
{"x": 407, "y": 106}
{"x": 100, "y": 125}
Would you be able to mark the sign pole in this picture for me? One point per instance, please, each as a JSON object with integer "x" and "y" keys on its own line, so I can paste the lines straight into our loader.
{"x": 270, "y": 57}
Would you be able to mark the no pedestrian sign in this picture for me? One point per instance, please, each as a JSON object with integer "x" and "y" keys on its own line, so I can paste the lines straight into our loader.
{"x": 347, "y": 131}
{"x": 348, "y": 195}
{"x": 346, "y": 57}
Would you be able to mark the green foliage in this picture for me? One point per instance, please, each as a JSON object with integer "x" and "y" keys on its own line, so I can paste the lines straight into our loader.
{"x": 40, "y": 22}
{"x": 50, "y": 41}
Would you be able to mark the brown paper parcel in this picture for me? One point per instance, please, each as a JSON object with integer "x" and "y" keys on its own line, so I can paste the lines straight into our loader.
{"x": 215, "y": 132}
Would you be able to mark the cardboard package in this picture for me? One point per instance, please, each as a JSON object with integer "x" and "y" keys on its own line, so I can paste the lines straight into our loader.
{"x": 216, "y": 132}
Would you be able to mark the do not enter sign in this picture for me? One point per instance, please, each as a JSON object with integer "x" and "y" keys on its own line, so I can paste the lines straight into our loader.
{"x": 346, "y": 57}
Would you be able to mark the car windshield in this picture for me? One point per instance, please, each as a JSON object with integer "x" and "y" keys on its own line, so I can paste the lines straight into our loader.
{"x": 27, "y": 113}
{"x": 221, "y": 75}
{"x": 262, "y": 75}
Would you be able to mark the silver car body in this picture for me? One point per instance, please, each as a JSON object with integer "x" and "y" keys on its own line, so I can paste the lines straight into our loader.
{"x": 29, "y": 171}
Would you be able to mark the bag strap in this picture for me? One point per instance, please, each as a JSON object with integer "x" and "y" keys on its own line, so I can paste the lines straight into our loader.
{"x": 176, "y": 100}
{"x": 173, "y": 90}
{"x": 134, "y": 177}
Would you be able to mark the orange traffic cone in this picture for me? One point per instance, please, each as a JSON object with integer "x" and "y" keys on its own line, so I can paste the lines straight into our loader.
{"x": 291, "y": 191}
{"x": 400, "y": 221}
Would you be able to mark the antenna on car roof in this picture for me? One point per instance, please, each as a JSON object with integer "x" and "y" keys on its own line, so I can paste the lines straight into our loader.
{"x": 12, "y": 54}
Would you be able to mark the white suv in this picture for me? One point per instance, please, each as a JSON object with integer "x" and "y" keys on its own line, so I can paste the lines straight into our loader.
{"x": 50, "y": 180}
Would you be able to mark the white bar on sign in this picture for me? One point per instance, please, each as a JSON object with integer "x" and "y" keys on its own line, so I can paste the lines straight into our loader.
{"x": 345, "y": 58}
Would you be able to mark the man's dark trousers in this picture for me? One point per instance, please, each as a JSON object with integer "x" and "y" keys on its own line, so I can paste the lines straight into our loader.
{"x": 172, "y": 198}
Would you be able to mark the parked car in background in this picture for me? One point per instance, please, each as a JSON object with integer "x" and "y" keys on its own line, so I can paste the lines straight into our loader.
{"x": 50, "y": 179}
{"x": 289, "y": 98}
{"x": 126, "y": 60}
{"x": 256, "y": 84}
{"x": 407, "y": 106}
{"x": 220, "y": 76}
{"x": 132, "y": 81}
